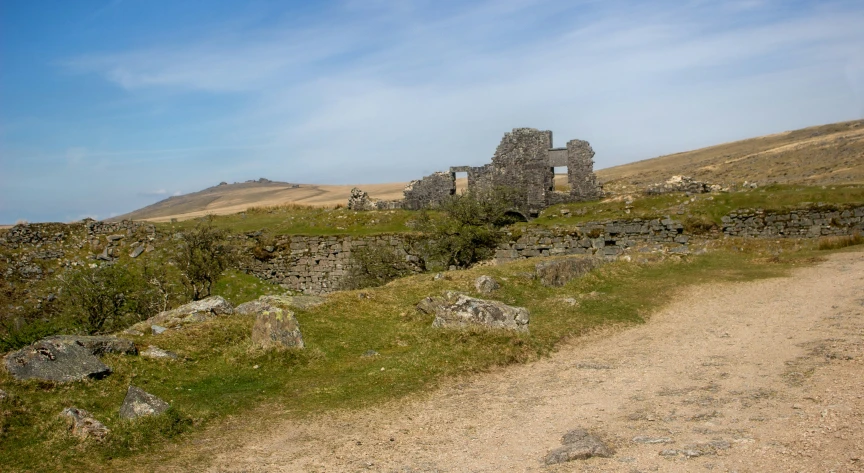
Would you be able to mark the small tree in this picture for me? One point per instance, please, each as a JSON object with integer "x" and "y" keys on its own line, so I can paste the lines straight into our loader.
{"x": 202, "y": 257}
{"x": 467, "y": 230}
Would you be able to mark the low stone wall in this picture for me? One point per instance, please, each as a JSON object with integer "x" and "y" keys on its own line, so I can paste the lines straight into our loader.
{"x": 608, "y": 238}
{"x": 809, "y": 223}
{"x": 317, "y": 264}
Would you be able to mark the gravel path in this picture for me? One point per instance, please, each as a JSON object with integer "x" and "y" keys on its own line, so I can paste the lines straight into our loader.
{"x": 748, "y": 377}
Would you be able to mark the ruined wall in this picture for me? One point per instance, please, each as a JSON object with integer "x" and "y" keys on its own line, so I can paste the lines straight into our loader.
{"x": 580, "y": 171}
{"x": 521, "y": 163}
{"x": 317, "y": 264}
{"x": 429, "y": 191}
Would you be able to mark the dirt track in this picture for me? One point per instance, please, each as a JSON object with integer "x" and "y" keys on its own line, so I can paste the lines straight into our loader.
{"x": 747, "y": 377}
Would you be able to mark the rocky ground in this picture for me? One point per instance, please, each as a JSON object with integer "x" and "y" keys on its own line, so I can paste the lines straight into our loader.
{"x": 747, "y": 377}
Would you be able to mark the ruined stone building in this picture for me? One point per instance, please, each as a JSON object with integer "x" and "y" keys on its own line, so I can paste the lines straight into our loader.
{"x": 524, "y": 162}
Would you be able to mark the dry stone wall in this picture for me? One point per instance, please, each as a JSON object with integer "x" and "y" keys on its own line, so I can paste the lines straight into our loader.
{"x": 318, "y": 264}
{"x": 797, "y": 223}
{"x": 609, "y": 238}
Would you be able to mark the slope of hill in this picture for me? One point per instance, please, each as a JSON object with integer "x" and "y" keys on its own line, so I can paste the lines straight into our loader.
{"x": 820, "y": 155}
{"x": 232, "y": 198}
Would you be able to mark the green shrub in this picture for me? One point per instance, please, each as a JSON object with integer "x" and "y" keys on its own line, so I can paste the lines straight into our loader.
{"x": 109, "y": 297}
{"x": 375, "y": 265}
{"x": 202, "y": 256}
{"x": 467, "y": 230}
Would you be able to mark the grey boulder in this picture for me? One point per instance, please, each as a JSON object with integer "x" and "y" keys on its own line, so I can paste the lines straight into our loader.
{"x": 275, "y": 324}
{"x": 55, "y": 360}
{"x": 193, "y": 312}
{"x": 486, "y": 285}
{"x": 456, "y": 310}
{"x": 83, "y": 425}
{"x": 139, "y": 403}
{"x": 578, "y": 445}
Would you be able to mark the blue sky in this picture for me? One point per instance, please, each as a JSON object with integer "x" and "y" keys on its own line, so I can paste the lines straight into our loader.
{"x": 107, "y": 106}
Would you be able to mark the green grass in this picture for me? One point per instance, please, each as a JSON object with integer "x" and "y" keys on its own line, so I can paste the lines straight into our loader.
{"x": 238, "y": 287}
{"x": 297, "y": 220}
{"x": 217, "y": 375}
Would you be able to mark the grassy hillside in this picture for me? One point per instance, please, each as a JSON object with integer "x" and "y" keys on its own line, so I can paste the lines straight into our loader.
{"x": 819, "y": 155}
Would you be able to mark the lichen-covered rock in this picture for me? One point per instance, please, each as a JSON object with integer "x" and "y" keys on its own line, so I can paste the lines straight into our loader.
{"x": 158, "y": 353}
{"x": 456, "y": 310}
{"x": 486, "y": 285}
{"x": 578, "y": 445}
{"x": 186, "y": 314}
{"x": 82, "y": 424}
{"x": 97, "y": 344}
{"x": 139, "y": 403}
{"x": 559, "y": 272}
{"x": 275, "y": 324}
{"x": 55, "y": 360}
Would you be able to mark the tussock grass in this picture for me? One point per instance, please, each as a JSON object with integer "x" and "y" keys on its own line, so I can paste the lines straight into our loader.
{"x": 838, "y": 242}
{"x": 217, "y": 376}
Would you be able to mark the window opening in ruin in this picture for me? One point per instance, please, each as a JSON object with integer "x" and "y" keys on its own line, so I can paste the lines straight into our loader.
{"x": 562, "y": 180}
{"x": 461, "y": 182}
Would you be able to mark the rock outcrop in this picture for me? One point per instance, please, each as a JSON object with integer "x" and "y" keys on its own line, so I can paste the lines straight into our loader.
{"x": 140, "y": 403}
{"x": 83, "y": 425}
{"x": 682, "y": 184}
{"x": 56, "y": 360}
{"x": 186, "y": 314}
{"x": 456, "y": 310}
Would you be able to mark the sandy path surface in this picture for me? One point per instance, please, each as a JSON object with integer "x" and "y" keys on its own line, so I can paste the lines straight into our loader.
{"x": 746, "y": 377}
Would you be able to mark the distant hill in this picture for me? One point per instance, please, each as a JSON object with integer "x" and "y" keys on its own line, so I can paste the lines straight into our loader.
{"x": 232, "y": 198}
{"x": 819, "y": 155}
